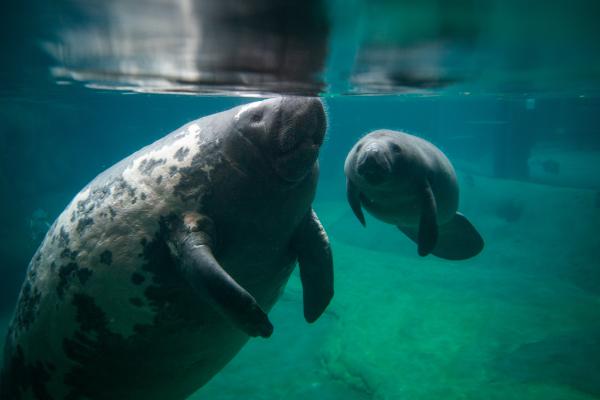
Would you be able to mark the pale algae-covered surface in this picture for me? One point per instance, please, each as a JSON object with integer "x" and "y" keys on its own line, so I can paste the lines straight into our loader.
{"x": 520, "y": 321}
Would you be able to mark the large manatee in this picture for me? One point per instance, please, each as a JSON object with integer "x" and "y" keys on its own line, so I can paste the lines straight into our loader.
{"x": 159, "y": 270}
{"x": 408, "y": 182}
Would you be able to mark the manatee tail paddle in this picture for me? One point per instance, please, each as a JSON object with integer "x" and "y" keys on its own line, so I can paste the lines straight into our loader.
{"x": 457, "y": 239}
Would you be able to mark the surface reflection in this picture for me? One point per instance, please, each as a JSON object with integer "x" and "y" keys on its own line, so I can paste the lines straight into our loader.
{"x": 195, "y": 46}
{"x": 327, "y": 47}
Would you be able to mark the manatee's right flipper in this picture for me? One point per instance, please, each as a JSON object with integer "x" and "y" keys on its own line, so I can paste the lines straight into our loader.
{"x": 457, "y": 239}
{"x": 316, "y": 265}
{"x": 353, "y": 195}
{"x": 428, "y": 228}
{"x": 190, "y": 244}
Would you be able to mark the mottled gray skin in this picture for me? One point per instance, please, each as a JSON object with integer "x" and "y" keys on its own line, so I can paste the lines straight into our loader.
{"x": 123, "y": 299}
{"x": 406, "y": 181}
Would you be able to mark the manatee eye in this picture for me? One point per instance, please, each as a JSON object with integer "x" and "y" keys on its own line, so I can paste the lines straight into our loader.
{"x": 395, "y": 148}
{"x": 256, "y": 116}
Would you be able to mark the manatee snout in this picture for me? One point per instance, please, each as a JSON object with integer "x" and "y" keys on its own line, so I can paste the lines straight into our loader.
{"x": 300, "y": 135}
{"x": 373, "y": 164}
{"x": 302, "y": 122}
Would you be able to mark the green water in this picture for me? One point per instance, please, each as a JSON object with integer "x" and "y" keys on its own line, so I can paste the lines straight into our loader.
{"x": 510, "y": 324}
{"x": 508, "y": 91}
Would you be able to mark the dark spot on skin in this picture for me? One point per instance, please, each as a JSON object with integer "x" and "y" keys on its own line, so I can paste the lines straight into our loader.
{"x": 34, "y": 266}
{"x": 83, "y": 224}
{"x": 106, "y": 257}
{"x": 134, "y": 200}
{"x": 181, "y": 153}
{"x": 147, "y": 166}
{"x": 173, "y": 170}
{"x": 94, "y": 200}
{"x": 121, "y": 188}
{"x": 112, "y": 212}
{"x": 137, "y": 278}
{"x": 67, "y": 273}
{"x": 104, "y": 360}
{"x": 67, "y": 253}
{"x": 85, "y": 207}
{"x": 143, "y": 196}
{"x": 28, "y": 306}
{"x": 64, "y": 237}
{"x": 136, "y": 301}
{"x": 159, "y": 179}
{"x": 20, "y": 376}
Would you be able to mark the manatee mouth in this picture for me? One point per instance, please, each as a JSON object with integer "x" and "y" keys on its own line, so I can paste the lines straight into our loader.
{"x": 373, "y": 165}
{"x": 300, "y": 136}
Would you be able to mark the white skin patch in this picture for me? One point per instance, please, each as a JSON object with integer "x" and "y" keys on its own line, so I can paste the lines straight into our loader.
{"x": 193, "y": 129}
{"x": 135, "y": 218}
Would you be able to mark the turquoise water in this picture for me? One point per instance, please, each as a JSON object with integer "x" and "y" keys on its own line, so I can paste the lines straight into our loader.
{"x": 519, "y": 321}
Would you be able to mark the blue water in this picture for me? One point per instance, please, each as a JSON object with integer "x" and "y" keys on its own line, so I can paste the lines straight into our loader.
{"x": 519, "y": 321}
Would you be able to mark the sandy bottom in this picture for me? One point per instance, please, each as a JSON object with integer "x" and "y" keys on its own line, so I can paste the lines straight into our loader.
{"x": 520, "y": 321}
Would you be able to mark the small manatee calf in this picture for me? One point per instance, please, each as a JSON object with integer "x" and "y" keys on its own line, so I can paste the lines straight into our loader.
{"x": 406, "y": 181}
{"x": 158, "y": 271}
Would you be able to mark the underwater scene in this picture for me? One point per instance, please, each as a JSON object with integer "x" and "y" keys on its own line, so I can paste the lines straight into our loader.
{"x": 302, "y": 200}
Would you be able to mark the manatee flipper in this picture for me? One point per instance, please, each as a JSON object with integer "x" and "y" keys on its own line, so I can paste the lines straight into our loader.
{"x": 457, "y": 239}
{"x": 191, "y": 245}
{"x": 316, "y": 265}
{"x": 353, "y": 195}
{"x": 428, "y": 228}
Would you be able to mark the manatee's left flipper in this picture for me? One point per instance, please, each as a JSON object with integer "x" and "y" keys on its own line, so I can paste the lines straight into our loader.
{"x": 191, "y": 245}
{"x": 458, "y": 239}
{"x": 316, "y": 265}
{"x": 428, "y": 228}
{"x": 353, "y": 196}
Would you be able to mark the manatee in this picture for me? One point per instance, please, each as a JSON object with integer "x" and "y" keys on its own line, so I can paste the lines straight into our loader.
{"x": 161, "y": 269}
{"x": 406, "y": 181}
